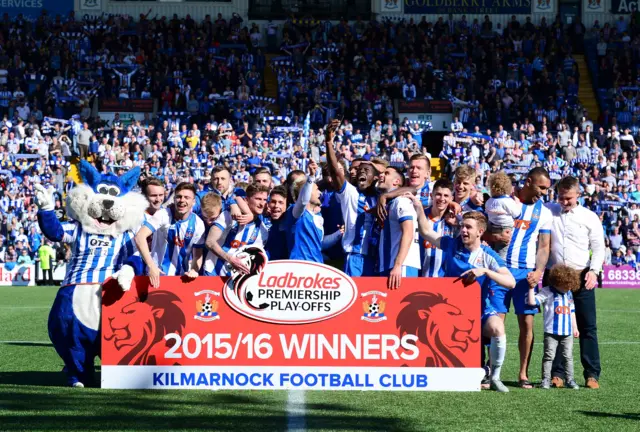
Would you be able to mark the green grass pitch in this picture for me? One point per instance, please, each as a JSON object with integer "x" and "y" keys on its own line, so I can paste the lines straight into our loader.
{"x": 32, "y": 397}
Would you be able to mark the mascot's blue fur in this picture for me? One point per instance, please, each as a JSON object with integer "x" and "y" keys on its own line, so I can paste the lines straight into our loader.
{"x": 105, "y": 214}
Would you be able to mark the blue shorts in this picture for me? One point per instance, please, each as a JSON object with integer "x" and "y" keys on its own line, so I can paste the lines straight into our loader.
{"x": 487, "y": 313}
{"x": 498, "y": 299}
{"x": 406, "y": 272}
{"x": 520, "y": 293}
{"x": 359, "y": 265}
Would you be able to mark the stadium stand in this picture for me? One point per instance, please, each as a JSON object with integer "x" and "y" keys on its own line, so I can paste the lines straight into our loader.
{"x": 218, "y": 92}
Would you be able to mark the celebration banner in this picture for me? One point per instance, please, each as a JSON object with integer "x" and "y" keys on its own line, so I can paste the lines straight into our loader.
{"x": 292, "y": 324}
{"x": 620, "y": 277}
{"x": 496, "y": 7}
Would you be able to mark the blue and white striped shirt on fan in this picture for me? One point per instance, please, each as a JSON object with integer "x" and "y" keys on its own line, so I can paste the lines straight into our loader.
{"x": 5, "y": 97}
{"x": 95, "y": 257}
{"x": 463, "y": 115}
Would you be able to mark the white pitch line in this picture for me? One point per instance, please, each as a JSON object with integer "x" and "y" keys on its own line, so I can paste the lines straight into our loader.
{"x": 295, "y": 411}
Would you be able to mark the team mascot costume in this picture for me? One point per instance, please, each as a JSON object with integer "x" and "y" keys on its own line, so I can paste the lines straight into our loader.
{"x": 105, "y": 213}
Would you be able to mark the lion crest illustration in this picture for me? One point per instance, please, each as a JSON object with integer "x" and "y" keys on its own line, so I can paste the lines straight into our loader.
{"x": 158, "y": 315}
{"x": 438, "y": 325}
{"x": 256, "y": 259}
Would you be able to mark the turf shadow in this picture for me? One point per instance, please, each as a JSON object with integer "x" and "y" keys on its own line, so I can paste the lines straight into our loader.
{"x": 29, "y": 344}
{"x": 45, "y": 379}
{"x": 516, "y": 384}
{"x": 628, "y": 416}
{"x": 82, "y": 410}
{"x": 42, "y": 379}
{"x": 213, "y": 422}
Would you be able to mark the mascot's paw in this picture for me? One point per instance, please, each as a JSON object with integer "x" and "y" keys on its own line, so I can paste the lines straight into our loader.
{"x": 125, "y": 277}
{"x": 44, "y": 197}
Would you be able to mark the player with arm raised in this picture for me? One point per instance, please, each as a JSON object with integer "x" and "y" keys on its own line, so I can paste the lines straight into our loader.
{"x": 304, "y": 224}
{"x": 355, "y": 204}
{"x": 467, "y": 258}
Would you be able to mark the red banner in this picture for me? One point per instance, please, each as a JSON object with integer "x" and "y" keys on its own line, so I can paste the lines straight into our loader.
{"x": 425, "y": 106}
{"x": 292, "y": 318}
{"x": 126, "y": 105}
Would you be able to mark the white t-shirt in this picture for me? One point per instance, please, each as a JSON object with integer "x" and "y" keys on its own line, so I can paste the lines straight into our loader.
{"x": 502, "y": 211}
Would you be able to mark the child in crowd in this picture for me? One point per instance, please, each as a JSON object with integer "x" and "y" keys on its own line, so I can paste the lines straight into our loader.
{"x": 559, "y": 320}
{"x": 502, "y": 210}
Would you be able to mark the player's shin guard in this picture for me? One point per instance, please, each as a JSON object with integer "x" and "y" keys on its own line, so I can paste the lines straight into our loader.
{"x": 497, "y": 352}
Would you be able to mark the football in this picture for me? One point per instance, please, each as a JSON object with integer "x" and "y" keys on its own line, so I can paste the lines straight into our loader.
{"x": 374, "y": 308}
{"x": 206, "y": 308}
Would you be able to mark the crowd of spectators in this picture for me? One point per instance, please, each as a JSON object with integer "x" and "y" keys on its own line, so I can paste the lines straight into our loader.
{"x": 514, "y": 90}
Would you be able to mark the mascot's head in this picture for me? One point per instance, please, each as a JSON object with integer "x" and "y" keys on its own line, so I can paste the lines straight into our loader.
{"x": 439, "y": 325}
{"x": 104, "y": 203}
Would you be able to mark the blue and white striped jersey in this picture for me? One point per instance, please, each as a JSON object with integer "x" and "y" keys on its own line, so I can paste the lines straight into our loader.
{"x": 95, "y": 257}
{"x": 358, "y": 220}
{"x": 430, "y": 256}
{"x": 556, "y": 309}
{"x": 534, "y": 220}
{"x": 181, "y": 237}
{"x": 400, "y": 210}
{"x": 233, "y": 237}
{"x": 425, "y": 193}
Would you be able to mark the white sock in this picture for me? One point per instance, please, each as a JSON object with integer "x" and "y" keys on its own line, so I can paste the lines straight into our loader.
{"x": 497, "y": 351}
